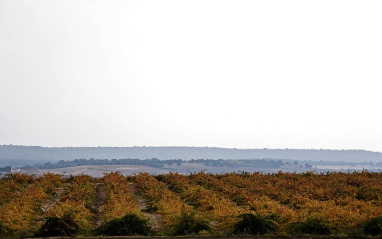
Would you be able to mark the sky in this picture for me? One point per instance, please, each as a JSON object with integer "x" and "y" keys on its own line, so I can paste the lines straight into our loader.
{"x": 217, "y": 73}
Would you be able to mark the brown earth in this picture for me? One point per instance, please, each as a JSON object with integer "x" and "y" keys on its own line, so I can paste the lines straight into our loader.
{"x": 99, "y": 201}
{"x": 155, "y": 218}
{"x": 46, "y": 206}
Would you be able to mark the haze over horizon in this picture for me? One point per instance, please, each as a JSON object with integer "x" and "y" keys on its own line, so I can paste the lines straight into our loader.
{"x": 27, "y": 155}
{"x": 182, "y": 146}
{"x": 162, "y": 146}
{"x": 217, "y": 73}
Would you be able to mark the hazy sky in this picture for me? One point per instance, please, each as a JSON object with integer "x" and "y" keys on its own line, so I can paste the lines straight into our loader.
{"x": 245, "y": 74}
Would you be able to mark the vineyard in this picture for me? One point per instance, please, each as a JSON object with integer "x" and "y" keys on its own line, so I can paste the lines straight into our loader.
{"x": 198, "y": 203}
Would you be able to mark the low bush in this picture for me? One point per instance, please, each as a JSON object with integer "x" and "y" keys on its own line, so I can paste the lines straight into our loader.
{"x": 255, "y": 224}
{"x": 373, "y": 227}
{"x": 55, "y": 226}
{"x": 129, "y": 225}
{"x": 3, "y": 230}
{"x": 311, "y": 225}
{"x": 189, "y": 222}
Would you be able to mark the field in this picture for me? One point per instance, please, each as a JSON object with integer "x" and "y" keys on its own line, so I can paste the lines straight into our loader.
{"x": 184, "y": 168}
{"x": 197, "y": 203}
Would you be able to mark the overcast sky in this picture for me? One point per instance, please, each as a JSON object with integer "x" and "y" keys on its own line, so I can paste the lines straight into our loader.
{"x": 244, "y": 74}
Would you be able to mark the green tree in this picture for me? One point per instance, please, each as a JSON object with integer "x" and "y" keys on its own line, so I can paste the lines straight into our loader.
{"x": 189, "y": 222}
{"x": 311, "y": 225}
{"x": 54, "y": 227}
{"x": 373, "y": 227}
{"x": 129, "y": 225}
{"x": 255, "y": 224}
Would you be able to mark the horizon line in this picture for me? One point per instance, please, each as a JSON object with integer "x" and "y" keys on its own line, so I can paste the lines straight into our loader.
{"x": 144, "y": 146}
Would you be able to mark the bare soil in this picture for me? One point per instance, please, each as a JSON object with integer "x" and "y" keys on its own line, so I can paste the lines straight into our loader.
{"x": 46, "y": 206}
{"x": 99, "y": 201}
{"x": 155, "y": 219}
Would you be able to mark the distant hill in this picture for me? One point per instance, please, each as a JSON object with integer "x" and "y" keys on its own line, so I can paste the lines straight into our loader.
{"x": 31, "y": 154}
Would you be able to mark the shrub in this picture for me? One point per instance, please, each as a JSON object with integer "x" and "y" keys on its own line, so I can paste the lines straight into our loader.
{"x": 189, "y": 222}
{"x": 3, "y": 230}
{"x": 128, "y": 225}
{"x": 55, "y": 226}
{"x": 373, "y": 227}
{"x": 311, "y": 225}
{"x": 255, "y": 224}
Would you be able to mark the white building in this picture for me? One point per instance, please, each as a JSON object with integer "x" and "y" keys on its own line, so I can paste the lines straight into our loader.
{"x": 6, "y": 170}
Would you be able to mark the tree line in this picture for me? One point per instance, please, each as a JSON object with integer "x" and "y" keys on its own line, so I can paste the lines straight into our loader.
{"x": 157, "y": 163}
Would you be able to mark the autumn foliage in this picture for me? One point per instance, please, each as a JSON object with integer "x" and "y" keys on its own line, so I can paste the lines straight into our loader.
{"x": 288, "y": 203}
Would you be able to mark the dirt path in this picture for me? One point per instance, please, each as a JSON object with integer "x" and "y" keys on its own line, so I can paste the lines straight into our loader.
{"x": 155, "y": 219}
{"x": 46, "y": 206}
{"x": 99, "y": 201}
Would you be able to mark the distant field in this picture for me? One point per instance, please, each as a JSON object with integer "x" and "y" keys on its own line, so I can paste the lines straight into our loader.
{"x": 185, "y": 168}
